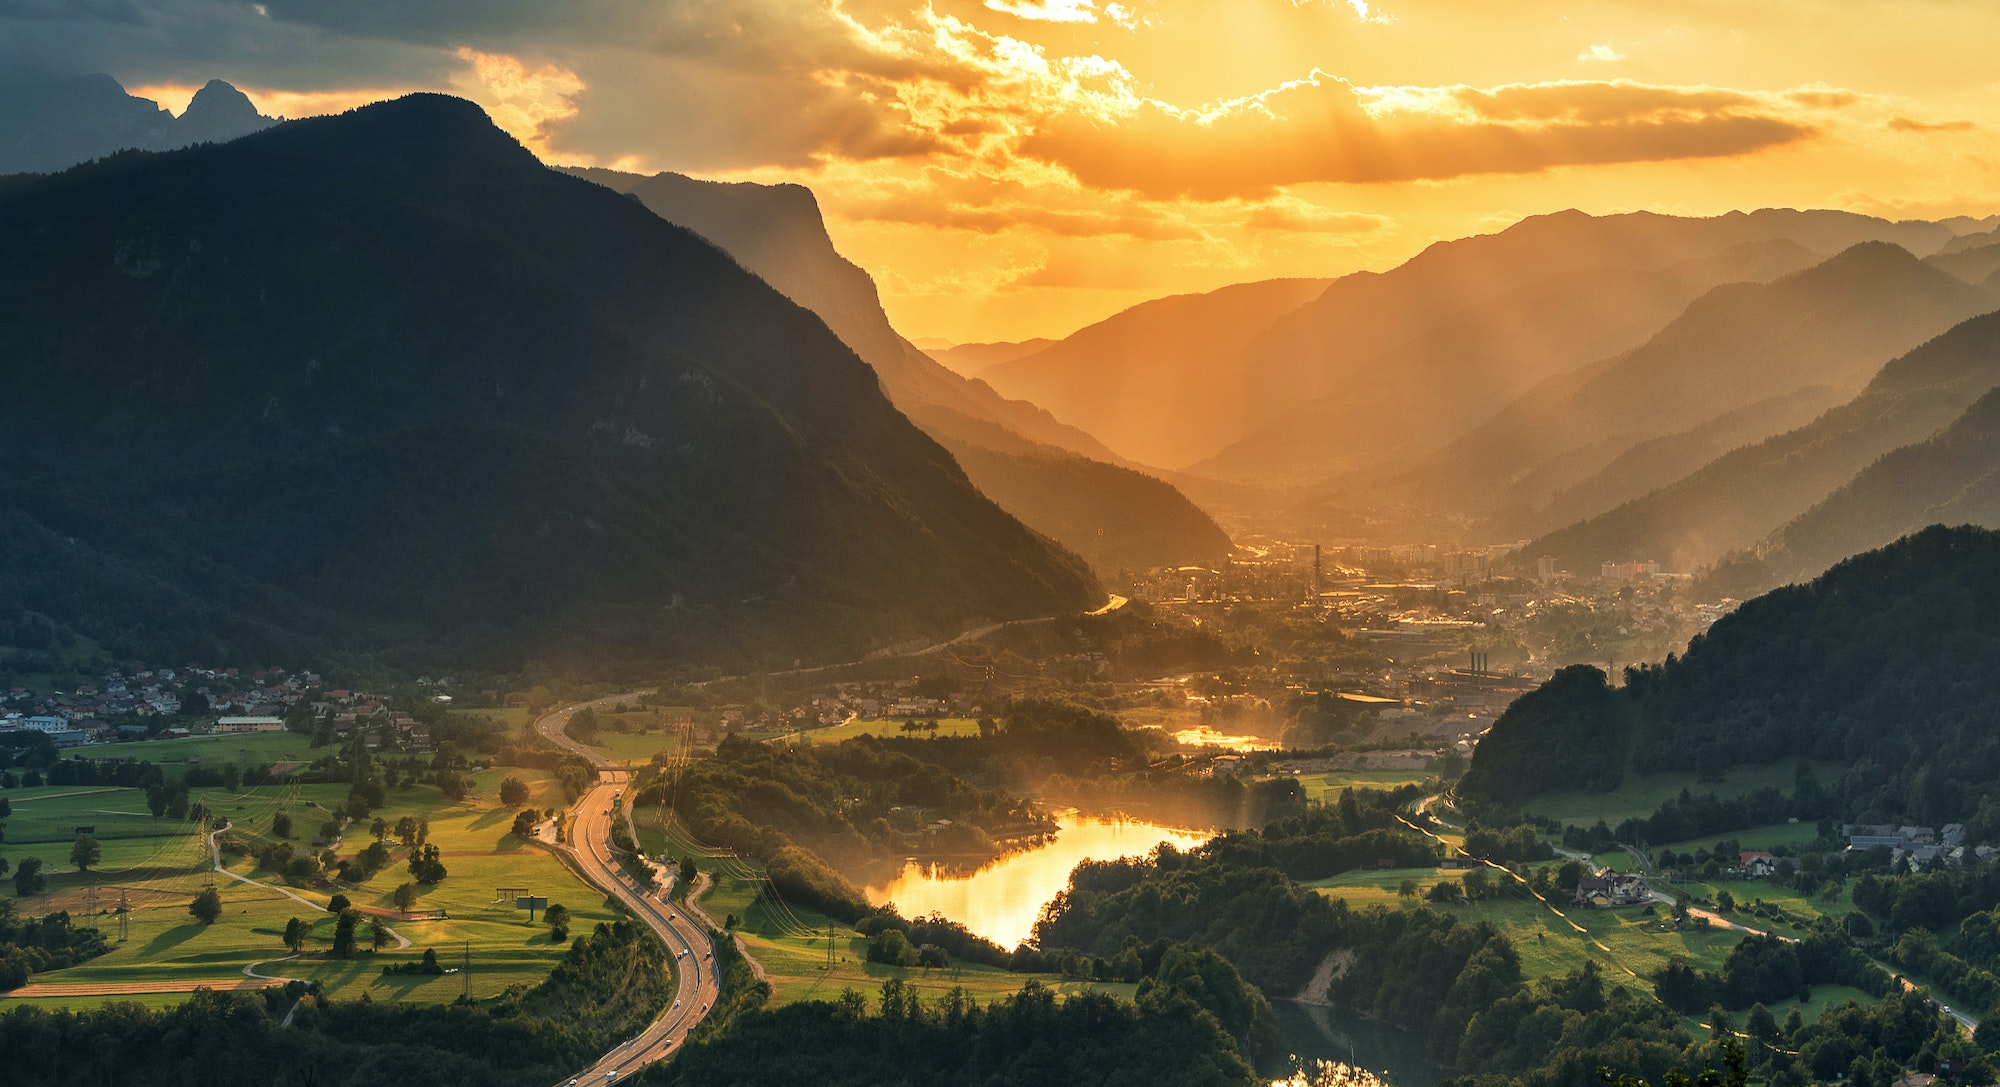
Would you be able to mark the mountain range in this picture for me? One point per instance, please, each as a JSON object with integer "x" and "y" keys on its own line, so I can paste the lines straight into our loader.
{"x": 1303, "y": 382}
{"x": 52, "y": 124}
{"x": 1057, "y": 479}
{"x": 383, "y": 383}
{"x": 1733, "y": 502}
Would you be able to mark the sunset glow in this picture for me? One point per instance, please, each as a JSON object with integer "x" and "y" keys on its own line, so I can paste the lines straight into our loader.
{"x": 1013, "y": 168}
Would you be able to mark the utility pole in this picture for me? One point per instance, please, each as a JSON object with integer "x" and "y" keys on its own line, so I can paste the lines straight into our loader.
{"x": 829, "y": 945}
{"x": 467, "y": 971}
{"x": 124, "y": 915}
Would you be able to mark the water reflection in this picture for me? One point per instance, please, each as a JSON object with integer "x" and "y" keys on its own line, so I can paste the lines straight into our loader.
{"x": 1204, "y": 736}
{"x": 1002, "y": 900}
{"x": 1334, "y": 1047}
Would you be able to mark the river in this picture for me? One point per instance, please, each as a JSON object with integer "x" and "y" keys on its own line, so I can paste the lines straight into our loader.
{"x": 1002, "y": 900}
{"x": 1319, "y": 1043}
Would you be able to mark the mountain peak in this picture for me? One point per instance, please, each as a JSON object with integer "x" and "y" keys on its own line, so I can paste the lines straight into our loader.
{"x": 421, "y": 132}
{"x": 217, "y": 113}
{"x": 221, "y": 100}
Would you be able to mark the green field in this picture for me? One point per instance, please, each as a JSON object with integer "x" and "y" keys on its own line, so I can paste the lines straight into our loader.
{"x": 511, "y": 716}
{"x": 1640, "y": 796}
{"x": 162, "y": 870}
{"x": 1627, "y": 944}
{"x": 891, "y": 728}
{"x": 1327, "y": 785}
{"x": 244, "y": 749}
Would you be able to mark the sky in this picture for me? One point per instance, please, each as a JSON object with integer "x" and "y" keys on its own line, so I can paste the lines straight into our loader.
{"x": 1018, "y": 168}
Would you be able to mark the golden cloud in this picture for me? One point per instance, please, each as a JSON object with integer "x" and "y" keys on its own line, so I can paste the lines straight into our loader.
{"x": 1321, "y": 129}
{"x": 1910, "y": 124}
{"x": 1051, "y": 11}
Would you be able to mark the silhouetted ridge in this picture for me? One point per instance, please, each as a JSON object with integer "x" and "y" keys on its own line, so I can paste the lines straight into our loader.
{"x": 414, "y": 133}
{"x": 218, "y": 111}
{"x": 383, "y": 382}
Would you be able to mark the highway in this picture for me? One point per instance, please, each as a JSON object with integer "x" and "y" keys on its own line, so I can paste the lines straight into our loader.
{"x": 589, "y": 851}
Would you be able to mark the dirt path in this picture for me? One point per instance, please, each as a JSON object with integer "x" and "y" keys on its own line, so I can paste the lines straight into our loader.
{"x": 139, "y": 988}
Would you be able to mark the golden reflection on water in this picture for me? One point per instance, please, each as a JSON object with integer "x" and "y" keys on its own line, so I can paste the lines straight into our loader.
{"x": 1002, "y": 900}
{"x": 1330, "y": 1074}
{"x": 1204, "y": 736}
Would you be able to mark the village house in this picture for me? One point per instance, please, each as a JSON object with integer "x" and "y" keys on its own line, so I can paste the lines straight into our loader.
{"x": 1608, "y": 889}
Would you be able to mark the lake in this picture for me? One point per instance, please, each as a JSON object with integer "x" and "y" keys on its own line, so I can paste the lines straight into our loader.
{"x": 1002, "y": 900}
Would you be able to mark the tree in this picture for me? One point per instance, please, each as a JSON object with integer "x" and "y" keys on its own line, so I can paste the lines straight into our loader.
{"x": 557, "y": 917}
{"x": 524, "y": 824}
{"x": 513, "y": 792}
{"x": 406, "y": 832}
{"x": 343, "y": 933}
{"x": 405, "y": 897}
{"x": 296, "y": 933}
{"x": 337, "y": 903}
{"x": 156, "y": 800}
{"x": 379, "y": 829}
{"x": 427, "y": 865}
{"x": 1724, "y": 902}
{"x": 85, "y": 852}
{"x": 1407, "y": 889}
{"x": 281, "y": 824}
{"x": 453, "y": 784}
{"x": 688, "y": 872}
{"x": 28, "y": 878}
{"x": 207, "y": 906}
{"x": 378, "y": 934}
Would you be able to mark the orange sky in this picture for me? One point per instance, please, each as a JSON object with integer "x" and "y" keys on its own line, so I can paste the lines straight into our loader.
{"x": 1013, "y": 168}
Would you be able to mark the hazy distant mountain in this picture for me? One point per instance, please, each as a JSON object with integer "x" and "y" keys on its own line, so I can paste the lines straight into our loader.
{"x": 1160, "y": 382}
{"x": 1952, "y": 477}
{"x": 1113, "y": 515}
{"x": 1392, "y": 367}
{"x": 1281, "y": 384}
{"x": 1748, "y": 493}
{"x": 384, "y": 381}
{"x": 1745, "y": 361}
{"x": 1973, "y": 264}
{"x": 970, "y": 359}
{"x": 1974, "y": 239}
{"x": 50, "y": 125}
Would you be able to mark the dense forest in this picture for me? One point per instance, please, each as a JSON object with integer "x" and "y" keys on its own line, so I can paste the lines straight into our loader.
{"x": 1884, "y": 664}
{"x": 1164, "y": 1037}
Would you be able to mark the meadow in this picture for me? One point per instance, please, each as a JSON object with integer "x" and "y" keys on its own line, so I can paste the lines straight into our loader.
{"x": 158, "y": 866}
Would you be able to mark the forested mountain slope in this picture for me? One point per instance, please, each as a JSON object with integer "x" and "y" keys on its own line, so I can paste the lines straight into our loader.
{"x": 1058, "y": 480}
{"x": 1883, "y": 664}
{"x": 382, "y": 381}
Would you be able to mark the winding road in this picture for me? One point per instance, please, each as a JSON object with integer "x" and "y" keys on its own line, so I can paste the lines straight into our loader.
{"x": 589, "y": 852}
